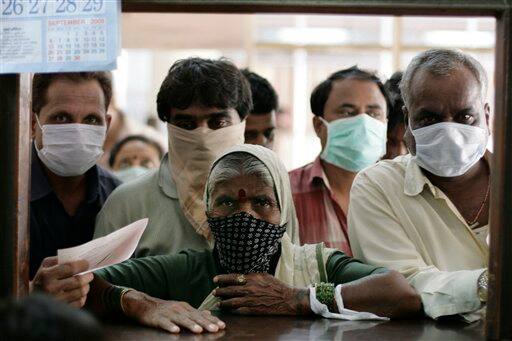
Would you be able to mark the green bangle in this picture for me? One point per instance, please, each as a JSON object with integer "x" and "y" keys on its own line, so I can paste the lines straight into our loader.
{"x": 325, "y": 294}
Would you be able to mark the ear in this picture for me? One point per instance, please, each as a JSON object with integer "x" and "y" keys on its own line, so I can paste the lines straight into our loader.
{"x": 318, "y": 125}
{"x": 108, "y": 120}
{"x": 33, "y": 125}
{"x": 487, "y": 111}
{"x": 406, "y": 116}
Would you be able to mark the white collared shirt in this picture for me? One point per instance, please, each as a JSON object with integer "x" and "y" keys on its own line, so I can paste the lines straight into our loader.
{"x": 398, "y": 219}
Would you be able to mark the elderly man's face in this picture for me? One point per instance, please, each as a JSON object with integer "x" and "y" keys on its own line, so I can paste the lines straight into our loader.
{"x": 454, "y": 98}
{"x": 245, "y": 193}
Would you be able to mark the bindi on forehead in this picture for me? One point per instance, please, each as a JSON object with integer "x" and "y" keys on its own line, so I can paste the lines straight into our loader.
{"x": 242, "y": 195}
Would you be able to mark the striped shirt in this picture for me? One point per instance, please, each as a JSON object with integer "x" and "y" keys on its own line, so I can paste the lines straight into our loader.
{"x": 321, "y": 218}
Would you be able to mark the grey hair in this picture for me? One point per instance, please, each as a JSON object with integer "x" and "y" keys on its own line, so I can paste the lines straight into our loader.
{"x": 442, "y": 62}
{"x": 236, "y": 164}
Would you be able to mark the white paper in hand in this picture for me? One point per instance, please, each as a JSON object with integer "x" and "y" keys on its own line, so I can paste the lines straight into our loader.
{"x": 108, "y": 250}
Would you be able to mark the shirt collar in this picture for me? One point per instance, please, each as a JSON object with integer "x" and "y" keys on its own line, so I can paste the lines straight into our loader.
{"x": 317, "y": 173}
{"x": 165, "y": 180}
{"x": 40, "y": 187}
{"x": 415, "y": 180}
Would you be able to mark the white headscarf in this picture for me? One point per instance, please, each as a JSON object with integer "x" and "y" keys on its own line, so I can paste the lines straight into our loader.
{"x": 281, "y": 184}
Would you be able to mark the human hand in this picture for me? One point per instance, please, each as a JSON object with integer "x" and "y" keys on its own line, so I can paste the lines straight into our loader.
{"x": 169, "y": 315}
{"x": 62, "y": 282}
{"x": 260, "y": 294}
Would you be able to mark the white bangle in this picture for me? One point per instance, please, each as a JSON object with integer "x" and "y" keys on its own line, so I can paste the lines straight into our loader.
{"x": 343, "y": 313}
{"x": 316, "y": 306}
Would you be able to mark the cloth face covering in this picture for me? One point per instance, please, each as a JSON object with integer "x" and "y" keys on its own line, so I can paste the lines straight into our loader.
{"x": 191, "y": 154}
{"x": 449, "y": 149}
{"x": 354, "y": 143}
{"x": 71, "y": 149}
{"x": 130, "y": 173}
{"x": 244, "y": 243}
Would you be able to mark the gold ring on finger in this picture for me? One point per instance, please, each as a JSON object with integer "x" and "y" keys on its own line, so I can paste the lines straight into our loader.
{"x": 241, "y": 279}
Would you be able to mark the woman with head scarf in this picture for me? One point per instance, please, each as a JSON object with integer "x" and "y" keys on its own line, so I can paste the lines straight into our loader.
{"x": 254, "y": 268}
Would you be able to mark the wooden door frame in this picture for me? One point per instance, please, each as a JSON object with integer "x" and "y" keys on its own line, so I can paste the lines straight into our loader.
{"x": 15, "y": 174}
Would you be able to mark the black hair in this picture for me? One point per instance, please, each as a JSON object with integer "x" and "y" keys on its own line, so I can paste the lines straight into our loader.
{"x": 264, "y": 96}
{"x": 396, "y": 115}
{"x": 119, "y": 145}
{"x": 40, "y": 317}
{"x": 42, "y": 81}
{"x": 321, "y": 92}
{"x": 206, "y": 82}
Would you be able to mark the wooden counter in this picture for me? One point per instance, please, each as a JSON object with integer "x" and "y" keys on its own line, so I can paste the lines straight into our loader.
{"x": 288, "y": 328}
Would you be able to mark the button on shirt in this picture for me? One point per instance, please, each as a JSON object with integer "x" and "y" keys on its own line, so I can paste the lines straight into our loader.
{"x": 51, "y": 227}
{"x": 154, "y": 196}
{"x": 399, "y": 219}
{"x": 320, "y": 217}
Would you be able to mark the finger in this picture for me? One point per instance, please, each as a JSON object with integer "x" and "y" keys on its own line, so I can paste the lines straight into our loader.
{"x": 74, "y": 282}
{"x": 78, "y": 303}
{"x": 231, "y": 291}
{"x": 73, "y": 295}
{"x": 49, "y": 261}
{"x": 184, "y": 321}
{"x": 229, "y": 279}
{"x": 69, "y": 269}
{"x": 202, "y": 319}
{"x": 214, "y": 319}
{"x": 165, "y": 324}
{"x": 235, "y": 303}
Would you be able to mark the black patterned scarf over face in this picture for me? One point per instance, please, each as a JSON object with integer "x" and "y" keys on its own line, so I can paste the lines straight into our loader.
{"x": 244, "y": 243}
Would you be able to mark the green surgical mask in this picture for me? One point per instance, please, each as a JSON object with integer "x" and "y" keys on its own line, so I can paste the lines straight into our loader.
{"x": 354, "y": 143}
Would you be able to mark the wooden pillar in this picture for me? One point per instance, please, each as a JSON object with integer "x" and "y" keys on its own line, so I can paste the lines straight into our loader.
{"x": 14, "y": 183}
{"x": 499, "y": 308}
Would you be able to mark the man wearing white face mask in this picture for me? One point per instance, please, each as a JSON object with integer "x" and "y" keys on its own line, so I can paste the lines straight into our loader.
{"x": 67, "y": 188}
{"x": 204, "y": 103}
{"x": 426, "y": 214}
{"x": 350, "y": 109}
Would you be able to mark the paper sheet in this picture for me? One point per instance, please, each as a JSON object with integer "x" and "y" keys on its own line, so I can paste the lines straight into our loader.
{"x": 108, "y": 250}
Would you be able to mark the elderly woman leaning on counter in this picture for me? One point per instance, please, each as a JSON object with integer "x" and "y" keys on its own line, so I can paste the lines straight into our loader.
{"x": 254, "y": 268}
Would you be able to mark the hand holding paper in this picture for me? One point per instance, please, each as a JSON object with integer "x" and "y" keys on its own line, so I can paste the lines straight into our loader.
{"x": 108, "y": 250}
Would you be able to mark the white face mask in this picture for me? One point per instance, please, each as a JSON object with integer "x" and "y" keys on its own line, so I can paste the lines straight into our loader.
{"x": 191, "y": 154}
{"x": 130, "y": 173}
{"x": 71, "y": 149}
{"x": 449, "y": 149}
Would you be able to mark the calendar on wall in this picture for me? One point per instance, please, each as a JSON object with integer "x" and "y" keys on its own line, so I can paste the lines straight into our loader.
{"x": 58, "y": 35}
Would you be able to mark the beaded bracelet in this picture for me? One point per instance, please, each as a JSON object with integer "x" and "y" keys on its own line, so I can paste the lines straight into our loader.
{"x": 325, "y": 294}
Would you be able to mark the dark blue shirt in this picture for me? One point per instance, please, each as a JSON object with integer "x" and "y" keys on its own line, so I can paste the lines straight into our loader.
{"x": 51, "y": 227}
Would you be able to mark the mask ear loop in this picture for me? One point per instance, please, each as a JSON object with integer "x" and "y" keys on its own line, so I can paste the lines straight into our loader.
{"x": 38, "y": 123}
{"x": 323, "y": 121}
{"x": 40, "y": 127}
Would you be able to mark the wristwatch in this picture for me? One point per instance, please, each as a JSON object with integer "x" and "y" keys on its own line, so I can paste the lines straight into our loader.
{"x": 482, "y": 286}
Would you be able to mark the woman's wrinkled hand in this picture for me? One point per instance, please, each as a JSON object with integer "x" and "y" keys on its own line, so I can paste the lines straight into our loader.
{"x": 260, "y": 294}
{"x": 169, "y": 315}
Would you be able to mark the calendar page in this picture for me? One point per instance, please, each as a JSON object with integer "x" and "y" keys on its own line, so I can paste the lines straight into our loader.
{"x": 58, "y": 35}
